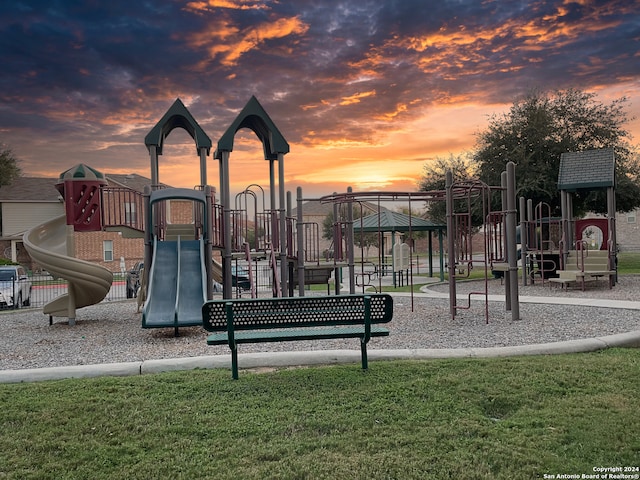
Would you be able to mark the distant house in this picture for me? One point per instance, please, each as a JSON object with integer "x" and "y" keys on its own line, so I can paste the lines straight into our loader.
{"x": 31, "y": 201}
{"x": 28, "y": 202}
{"x": 627, "y": 230}
{"x": 315, "y": 212}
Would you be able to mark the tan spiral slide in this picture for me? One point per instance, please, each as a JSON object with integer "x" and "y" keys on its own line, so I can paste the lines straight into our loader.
{"x": 88, "y": 283}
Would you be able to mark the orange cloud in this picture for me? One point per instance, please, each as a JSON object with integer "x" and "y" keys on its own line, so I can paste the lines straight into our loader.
{"x": 223, "y": 40}
{"x": 457, "y": 52}
{"x": 202, "y": 7}
{"x": 356, "y": 97}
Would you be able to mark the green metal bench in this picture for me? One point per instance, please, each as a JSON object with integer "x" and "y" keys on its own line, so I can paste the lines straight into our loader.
{"x": 256, "y": 320}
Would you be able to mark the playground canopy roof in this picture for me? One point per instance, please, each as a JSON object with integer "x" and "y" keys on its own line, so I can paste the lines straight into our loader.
{"x": 177, "y": 116}
{"x": 388, "y": 221}
{"x": 587, "y": 169}
{"x": 255, "y": 118}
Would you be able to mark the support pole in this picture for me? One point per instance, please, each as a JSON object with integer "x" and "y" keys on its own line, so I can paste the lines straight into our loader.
{"x": 203, "y": 166}
{"x": 336, "y": 248}
{"x": 451, "y": 245}
{"x": 148, "y": 238}
{"x": 153, "y": 154}
{"x": 208, "y": 250}
{"x": 511, "y": 240}
{"x": 505, "y": 208}
{"x": 300, "y": 239}
{"x": 566, "y": 230}
{"x": 71, "y": 295}
{"x": 284, "y": 274}
{"x": 349, "y": 243}
{"x": 225, "y": 196}
{"x": 523, "y": 241}
{"x": 611, "y": 217}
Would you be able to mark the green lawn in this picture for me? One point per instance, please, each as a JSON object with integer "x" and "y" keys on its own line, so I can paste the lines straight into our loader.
{"x": 628, "y": 262}
{"x": 502, "y": 418}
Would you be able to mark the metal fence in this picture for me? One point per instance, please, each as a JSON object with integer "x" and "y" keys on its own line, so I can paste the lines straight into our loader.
{"x": 44, "y": 288}
{"x": 40, "y": 289}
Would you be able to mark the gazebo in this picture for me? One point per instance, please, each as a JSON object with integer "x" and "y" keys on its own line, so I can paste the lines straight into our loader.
{"x": 395, "y": 222}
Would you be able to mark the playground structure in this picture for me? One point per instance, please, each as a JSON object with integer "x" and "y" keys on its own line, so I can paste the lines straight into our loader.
{"x": 565, "y": 250}
{"x": 180, "y": 265}
{"x": 560, "y": 250}
{"x": 52, "y": 244}
{"x": 499, "y": 246}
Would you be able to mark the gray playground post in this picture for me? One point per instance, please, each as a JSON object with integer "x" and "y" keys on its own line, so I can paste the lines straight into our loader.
{"x": 566, "y": 236}
{"x": 71, "y": 287}
{"x": 208, "y": 249}
{"x": 203, "y": 165}
{"x": 336, "y": 271}
{"x": 349, "y": 243}
{"x": 511, "y": 240}
{"x": 227, "y": 285}
{"x": 507, "y": 276}
{"x": 611, "y": 223}
{"x": 148, "y": 237}
{"x": 300, "y": 240}
{"x": 523, "y": 240}
{"x": 450, "y": 243}
{"x": 284, "y": 272}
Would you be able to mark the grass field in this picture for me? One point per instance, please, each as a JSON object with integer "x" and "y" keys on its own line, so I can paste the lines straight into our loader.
{"x": 628, "y": 264}
{"x": 502, "y": 418}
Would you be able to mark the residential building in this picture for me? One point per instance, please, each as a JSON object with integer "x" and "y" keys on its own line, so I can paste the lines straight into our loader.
{"x": 31, "y": 201}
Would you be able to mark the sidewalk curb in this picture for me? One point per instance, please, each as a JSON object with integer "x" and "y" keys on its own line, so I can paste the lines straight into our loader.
{"x": 319, "y": 357}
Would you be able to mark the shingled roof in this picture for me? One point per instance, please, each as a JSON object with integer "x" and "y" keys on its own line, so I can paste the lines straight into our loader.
{"x": 42, "y": 189}
{"x": 30, "y": 189}
{"x": 587, "y": 169}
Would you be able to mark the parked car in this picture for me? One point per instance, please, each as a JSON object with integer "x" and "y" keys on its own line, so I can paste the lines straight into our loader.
{"x": 134, "y": 277}
{"x": 240, "y": 278}
{"x": 15, "y": 287}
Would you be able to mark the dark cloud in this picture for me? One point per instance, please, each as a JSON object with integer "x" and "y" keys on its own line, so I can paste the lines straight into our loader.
{"x": 89, "y": 74}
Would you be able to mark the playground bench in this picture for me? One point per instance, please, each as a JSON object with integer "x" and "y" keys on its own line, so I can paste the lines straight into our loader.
{"x": 256, "y": 320}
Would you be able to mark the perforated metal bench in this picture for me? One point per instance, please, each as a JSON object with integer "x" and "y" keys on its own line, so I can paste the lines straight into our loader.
{"x": 256, "y": 320}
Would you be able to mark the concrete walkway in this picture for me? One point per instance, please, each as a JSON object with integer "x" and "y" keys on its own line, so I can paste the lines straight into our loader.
{"x": 329, "y": 357}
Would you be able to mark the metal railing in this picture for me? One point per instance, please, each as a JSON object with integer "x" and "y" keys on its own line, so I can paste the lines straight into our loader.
{"x": 44, "y": 288}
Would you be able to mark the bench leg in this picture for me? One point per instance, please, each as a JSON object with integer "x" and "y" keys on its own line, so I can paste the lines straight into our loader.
{"x": 363, "y": 351}
{"x": 234, "y": 363}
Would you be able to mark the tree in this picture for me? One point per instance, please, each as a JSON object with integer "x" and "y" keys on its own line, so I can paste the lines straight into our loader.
{"x": 434, "y": 179}
{"x": 540, "y": 127}
{"x": 9, "y": 169}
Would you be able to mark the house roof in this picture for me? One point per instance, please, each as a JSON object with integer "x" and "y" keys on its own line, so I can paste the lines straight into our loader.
{"x": 129, "y": 180}
{"x": 43, "y": 189}
{"x": 389, "y": 221}
{"x": 30, "y": 189}
{"x": 318, "y": 208}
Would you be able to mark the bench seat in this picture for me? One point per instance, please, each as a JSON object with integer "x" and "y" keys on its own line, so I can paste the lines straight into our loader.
{"x": 260, "y": 320}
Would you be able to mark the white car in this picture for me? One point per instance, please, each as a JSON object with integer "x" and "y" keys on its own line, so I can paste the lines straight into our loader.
{"x": 15, "y": 287}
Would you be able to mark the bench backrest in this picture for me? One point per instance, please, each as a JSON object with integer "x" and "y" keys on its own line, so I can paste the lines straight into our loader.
{"x": 260, "y": 313}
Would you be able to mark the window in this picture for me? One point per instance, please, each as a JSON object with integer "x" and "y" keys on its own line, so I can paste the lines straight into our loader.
{"x": 631, "y": 217}
{"x": 107, "y": 250}
{"x": 130, "y": 217}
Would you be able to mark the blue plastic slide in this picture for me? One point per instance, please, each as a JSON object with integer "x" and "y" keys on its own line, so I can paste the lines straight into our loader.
{"x": 177, "y": 285}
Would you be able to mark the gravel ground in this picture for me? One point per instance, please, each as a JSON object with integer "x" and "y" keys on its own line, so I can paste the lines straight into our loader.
{"x": 111, "y": 331}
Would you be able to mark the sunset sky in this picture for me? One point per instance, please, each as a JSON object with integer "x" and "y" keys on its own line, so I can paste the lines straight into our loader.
{"x": 366, "y": 92}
